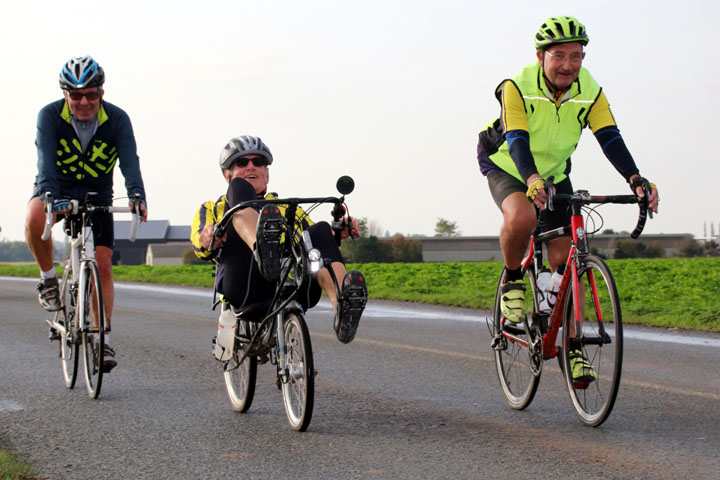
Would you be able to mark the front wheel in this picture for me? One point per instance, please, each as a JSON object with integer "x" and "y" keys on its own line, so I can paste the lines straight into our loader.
{"x": 519, "y": 377}
{"x": 69, "y": 348}
{"x": 240, "y": 379}
{"x": 93, "y": 329}
{"x": 299, "y": 389}
{"x": 596, "y": 339}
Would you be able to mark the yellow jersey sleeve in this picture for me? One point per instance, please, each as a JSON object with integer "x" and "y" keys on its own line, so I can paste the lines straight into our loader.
{"x": 513, "y": 115}
{"x": 600, "y": 115}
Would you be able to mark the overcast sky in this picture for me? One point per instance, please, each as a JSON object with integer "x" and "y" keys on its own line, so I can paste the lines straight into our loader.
{"x": 392, "y": 93}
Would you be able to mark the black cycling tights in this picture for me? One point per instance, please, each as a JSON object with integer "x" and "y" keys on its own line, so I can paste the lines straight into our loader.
{"x": 242, "y": 282}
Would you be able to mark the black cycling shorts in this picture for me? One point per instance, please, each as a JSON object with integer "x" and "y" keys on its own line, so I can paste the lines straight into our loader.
{"x": 103, "y": 226}
{"x": 503, "y": 184}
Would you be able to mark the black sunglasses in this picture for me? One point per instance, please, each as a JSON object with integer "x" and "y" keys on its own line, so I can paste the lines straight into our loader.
{"x": 89, "y": 95}
{"x": 258, "y": 161}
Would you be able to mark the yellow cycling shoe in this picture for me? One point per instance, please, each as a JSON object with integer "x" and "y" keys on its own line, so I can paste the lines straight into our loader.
{"x": 512, "y": 301}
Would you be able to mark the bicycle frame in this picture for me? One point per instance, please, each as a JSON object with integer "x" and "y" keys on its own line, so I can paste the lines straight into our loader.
{"x": 578, "y": 248}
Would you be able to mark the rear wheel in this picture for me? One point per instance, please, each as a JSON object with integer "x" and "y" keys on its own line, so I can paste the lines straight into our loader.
{"x": 519, "y": 376}
{"x": 93, "y": 332}
{"x": 299, "y": 390}
{"x": 599, "y": 338}
{"x": 240, "y": 380}
{"x": 69, "y": 348}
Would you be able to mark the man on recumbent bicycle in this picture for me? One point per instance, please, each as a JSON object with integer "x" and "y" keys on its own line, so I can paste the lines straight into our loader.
{"x": 248, "y": 257}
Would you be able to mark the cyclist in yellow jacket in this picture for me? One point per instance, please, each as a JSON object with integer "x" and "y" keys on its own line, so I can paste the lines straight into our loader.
{"x": 248, "y": 260}
{"x": 544, "y": 109}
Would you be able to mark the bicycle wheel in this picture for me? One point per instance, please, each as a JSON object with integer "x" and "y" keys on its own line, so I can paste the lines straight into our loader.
{"x": 93, "y": 333}
{"x": 69, "y": 348}
{"x": 601, "y": 342}
{"x": 519, "y": 376}
{"x": 240, "y": 381}
{"x": 299, "y": 391}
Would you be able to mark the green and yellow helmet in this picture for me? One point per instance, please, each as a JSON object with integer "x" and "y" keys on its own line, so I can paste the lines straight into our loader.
{"x": 556, "y": 30}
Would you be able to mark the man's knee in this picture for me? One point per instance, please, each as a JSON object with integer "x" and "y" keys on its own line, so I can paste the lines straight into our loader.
{"x": 35, "y": 217}
{"x": 519, "y": 214}
{"x": 103, "y": 255}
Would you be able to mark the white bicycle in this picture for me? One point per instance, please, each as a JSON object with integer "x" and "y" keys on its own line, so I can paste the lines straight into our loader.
{"x": 81, "y": 318}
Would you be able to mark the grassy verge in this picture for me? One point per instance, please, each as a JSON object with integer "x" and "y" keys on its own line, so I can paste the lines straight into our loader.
{"x": 13, "y": 469}
{"x": 666, "y": 292}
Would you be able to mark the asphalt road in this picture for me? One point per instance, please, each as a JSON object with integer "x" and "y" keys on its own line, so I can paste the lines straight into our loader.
{"x": 415, "y": 396}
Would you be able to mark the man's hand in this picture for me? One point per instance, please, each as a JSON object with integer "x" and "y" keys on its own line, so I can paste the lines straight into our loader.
{"x": 536, "y": 191}
{"x": 143, "y": 210}
{"x": 352, "y": 229}
{"x": 637, "y": 184}
{"x": 61, "y": 205}
{"x": 207, "y": 235}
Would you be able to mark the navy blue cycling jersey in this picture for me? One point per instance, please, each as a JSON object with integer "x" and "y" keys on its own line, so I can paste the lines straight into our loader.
{"x": 67, "y": 170}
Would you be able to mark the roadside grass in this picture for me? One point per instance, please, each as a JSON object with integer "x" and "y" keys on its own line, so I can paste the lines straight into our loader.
{"x": 13, "y": 469}
{"x": 664, "y": 292}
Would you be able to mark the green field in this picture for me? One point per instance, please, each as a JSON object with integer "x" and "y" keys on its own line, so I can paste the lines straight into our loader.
{"x": 665, "y": 292}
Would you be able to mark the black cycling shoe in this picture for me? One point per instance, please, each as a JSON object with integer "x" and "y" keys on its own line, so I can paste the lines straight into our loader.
{"x": 350, "y": 306}
{"x": 270, "y": 228}
{"x": 48, "y": 294}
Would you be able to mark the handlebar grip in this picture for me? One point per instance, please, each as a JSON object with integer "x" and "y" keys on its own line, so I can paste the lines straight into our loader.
{"x": 550, "y": 190}
{"x": 48, "y": 200}
{"x": 135, "y": 217}
{"x": 642, "y": 217}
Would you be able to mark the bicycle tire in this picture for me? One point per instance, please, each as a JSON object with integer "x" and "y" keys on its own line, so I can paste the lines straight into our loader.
{"x": 601, "y": 342}
{"x": 512, "y": 360}
{"x": 93, "y": 334}
{"x": 69, "y": 348}
{"x": 240, "y": 382}
{"x": 299, "y": 390}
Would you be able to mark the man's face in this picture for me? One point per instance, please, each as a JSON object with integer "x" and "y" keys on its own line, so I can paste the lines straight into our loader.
{"x": 561, "y": 63}
{"x": 258, "y": 175}
{"x": 86, "y": 102}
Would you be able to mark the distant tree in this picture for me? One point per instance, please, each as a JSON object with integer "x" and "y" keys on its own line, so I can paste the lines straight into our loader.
{"x": 406, "y": 249}
{"x": 711, "y": 249}
{"x": 189, "y": 258}
{"x": 364, "y": 227}
{"x": 656, "y": 250}
{"x": 690, "y": 248}
{"x": 635, "y": 249}
{"x": 446, "y": 228}
{"x": 608, "y": 231}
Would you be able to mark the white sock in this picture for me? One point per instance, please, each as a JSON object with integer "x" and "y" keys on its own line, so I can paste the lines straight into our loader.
{"x": 52, "y": 273}
{"x": 107, "y": 339}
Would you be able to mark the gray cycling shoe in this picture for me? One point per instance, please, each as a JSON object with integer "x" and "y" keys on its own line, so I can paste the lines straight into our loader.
{"x": 270, "y": 228}
{"x": 48, "y": 294}
{"x": 109, "y": 361}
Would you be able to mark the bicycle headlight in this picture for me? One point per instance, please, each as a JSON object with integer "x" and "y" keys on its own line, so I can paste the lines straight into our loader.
{"x": 315, "y": 260}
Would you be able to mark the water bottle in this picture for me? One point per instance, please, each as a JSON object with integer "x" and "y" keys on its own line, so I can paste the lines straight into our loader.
{"x": 554, "y": 288}
{"x": 543, "y": 285}
{"x": 225, "y": 338}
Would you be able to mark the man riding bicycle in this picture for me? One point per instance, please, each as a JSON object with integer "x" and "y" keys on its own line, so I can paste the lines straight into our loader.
{"x": 543, "y": 111}
{"x": 80, "y": 139}
{"x": 249, "y": 254}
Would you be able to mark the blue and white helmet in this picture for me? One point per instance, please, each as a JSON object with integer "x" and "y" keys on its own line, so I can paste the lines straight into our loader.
{"x": 81, "y": 72}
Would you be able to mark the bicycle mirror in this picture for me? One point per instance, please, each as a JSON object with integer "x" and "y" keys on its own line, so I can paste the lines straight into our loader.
{"x": 345, "y": 185}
